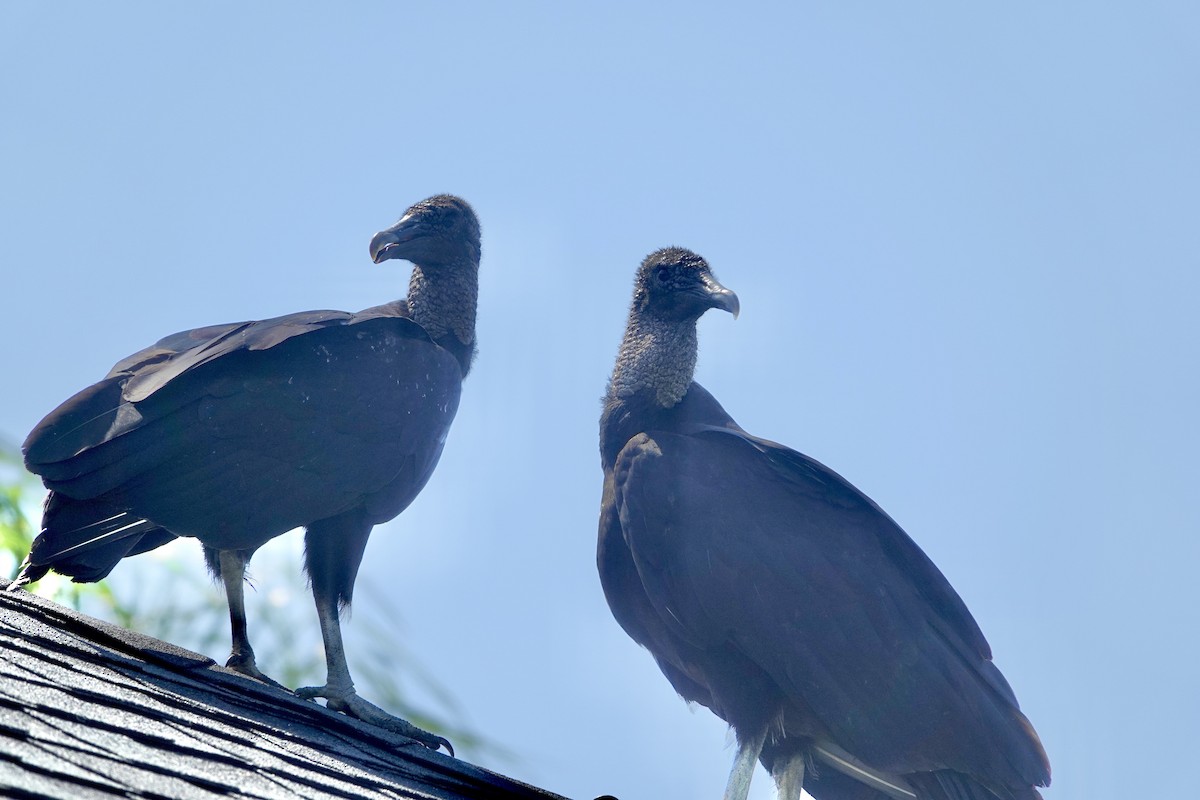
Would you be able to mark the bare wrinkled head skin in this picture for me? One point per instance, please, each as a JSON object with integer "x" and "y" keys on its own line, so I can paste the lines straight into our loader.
{"x": 676, "y": 284}
{"x": 673, "y": 288}
{"x": 440, "y": 236}
{"x": 439, "y": 230}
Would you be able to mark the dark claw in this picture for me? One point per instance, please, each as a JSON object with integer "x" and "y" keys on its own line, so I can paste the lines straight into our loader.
{"x": 246, "y": 666}
{"x": 350, "y": 704}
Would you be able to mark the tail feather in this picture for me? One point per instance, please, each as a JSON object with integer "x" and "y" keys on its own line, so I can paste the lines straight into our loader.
{"x": 824, "y": 783}
{"x": 86, "y": 539}
{"x": 834, "y": 774}
{"x": 950, "y": 785}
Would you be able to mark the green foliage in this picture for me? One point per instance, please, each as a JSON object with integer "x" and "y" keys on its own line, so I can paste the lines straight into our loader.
{"x": 17, "y": 487}
{"x": 172, "y": 599}
{"x": 15, "y": 531}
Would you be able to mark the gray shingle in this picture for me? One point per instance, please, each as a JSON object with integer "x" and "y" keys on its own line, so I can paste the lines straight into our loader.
{"x": 90, "y": 710}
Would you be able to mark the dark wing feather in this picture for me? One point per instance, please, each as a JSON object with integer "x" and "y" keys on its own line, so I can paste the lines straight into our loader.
{"x": 809, "y": 475}
{"x": 110, "y": 408}
{"x": 626, "y": 595}
{"x": 740, "y": 543}
{"x": 260, "y": 428}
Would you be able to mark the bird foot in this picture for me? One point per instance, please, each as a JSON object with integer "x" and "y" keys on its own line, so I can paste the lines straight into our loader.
{"x": 349, "y": 703}
{"x": 246, "y": 666}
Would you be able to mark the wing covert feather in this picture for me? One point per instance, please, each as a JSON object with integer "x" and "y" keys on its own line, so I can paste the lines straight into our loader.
{"x": 328, "y": 413}
{"x": 742, "y": 542}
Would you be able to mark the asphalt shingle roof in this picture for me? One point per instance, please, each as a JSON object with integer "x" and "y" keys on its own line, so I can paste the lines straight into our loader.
{"x": 91, "y": 710}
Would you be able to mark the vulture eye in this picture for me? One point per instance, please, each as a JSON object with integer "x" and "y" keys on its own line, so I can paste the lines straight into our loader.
{"x": 662, "y": 274}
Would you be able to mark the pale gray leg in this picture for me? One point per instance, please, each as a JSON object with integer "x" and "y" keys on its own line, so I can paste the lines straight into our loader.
{"x": 743, "y": 766}
{"x": 338, "y": 690}
{"x": 789, "y": 777}
{"x": 233, "y": 575}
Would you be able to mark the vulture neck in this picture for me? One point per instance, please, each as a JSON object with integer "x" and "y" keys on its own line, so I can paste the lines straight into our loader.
{"x": 656, "y": 355}
{"x": 442, "y": 300}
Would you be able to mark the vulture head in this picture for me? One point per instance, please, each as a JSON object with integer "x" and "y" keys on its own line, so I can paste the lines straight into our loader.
{"x": 437, "y": 231}
{"x": 676, "y": 285}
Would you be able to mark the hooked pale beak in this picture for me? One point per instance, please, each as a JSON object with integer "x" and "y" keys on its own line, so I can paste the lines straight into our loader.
{"x": 389, "y": 243}
{"x": 720, "y": 297}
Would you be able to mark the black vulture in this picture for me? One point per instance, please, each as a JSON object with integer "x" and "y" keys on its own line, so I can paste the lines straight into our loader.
{"x": 772, "y": 591}
{"x": 236, "y": 433}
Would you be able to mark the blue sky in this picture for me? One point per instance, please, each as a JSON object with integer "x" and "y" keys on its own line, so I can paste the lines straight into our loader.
{"x": 964, "y": 240}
